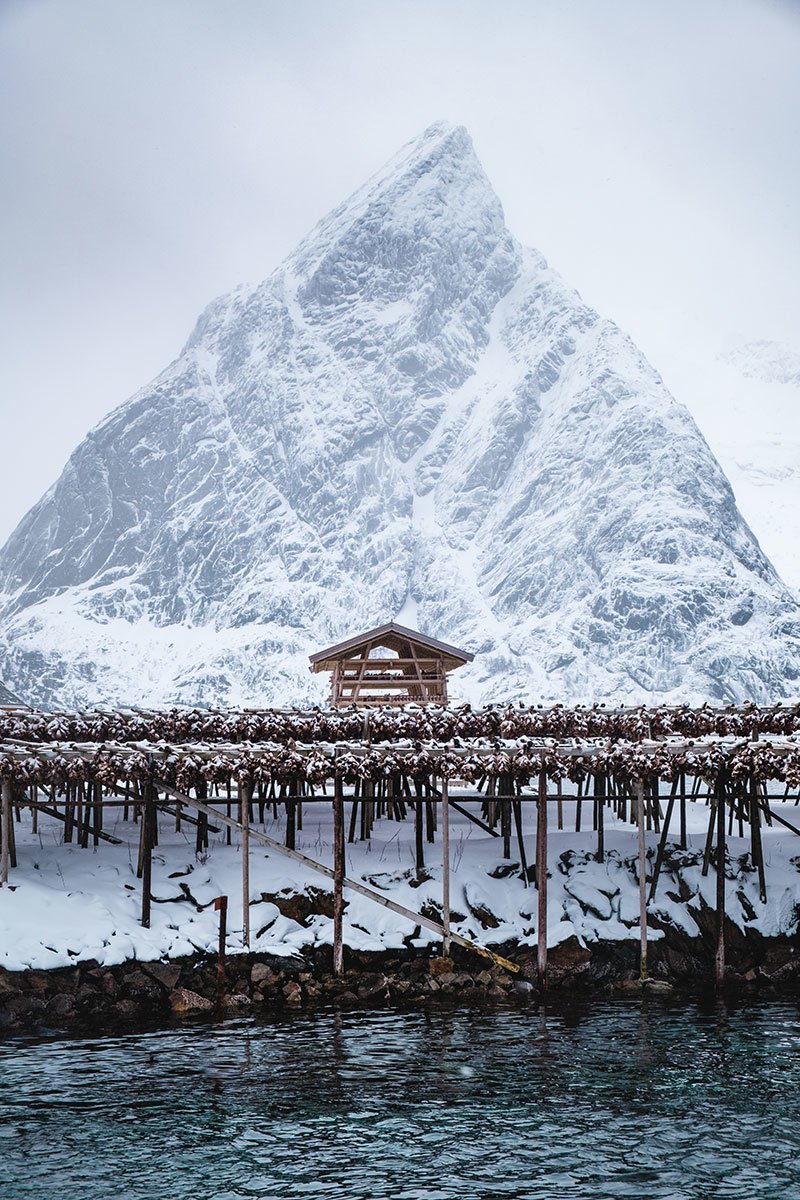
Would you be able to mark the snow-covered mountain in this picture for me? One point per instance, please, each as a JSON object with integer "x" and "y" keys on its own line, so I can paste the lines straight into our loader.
{"x": 413, "y": 417}
{"x": 755, "y": 434}
{"x": 7, "y": 698}
{"x": 772, "y": 362}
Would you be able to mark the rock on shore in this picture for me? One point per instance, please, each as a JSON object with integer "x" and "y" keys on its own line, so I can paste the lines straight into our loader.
{"x": 138, "y": 992}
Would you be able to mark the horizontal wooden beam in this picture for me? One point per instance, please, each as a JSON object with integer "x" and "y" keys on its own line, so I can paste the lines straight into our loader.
{"x": 356, "y": 664}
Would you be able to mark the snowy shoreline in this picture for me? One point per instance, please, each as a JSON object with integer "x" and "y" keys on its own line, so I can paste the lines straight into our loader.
{"x": 65, "y": 905}
{"x": 142, "y": 994}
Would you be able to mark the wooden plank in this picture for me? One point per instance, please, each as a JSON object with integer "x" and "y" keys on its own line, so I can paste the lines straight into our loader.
{"x": 471, "y": 817}
{"x": 53, "y": 812}
{"x": 662, "y": 843}
{"x": 388, "y": 664}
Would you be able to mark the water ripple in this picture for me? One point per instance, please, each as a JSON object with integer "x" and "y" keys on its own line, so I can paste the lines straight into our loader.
{"x": 610, "y": 1100}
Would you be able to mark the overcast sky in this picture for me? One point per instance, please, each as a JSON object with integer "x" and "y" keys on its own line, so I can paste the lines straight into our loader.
{"x": 155, "y": 153}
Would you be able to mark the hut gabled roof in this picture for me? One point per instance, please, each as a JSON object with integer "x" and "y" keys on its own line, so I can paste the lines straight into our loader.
{"x": 392, "y": 636}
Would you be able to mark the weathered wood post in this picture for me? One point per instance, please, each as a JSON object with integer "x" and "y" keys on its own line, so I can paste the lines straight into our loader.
{"x": 338, "y": 875}
{"x": 201, "y": 840}
{"x": 430, "y": 815}
{"x": 291, "y": 815}
{"x": 246, "y": 792}
{"x": 418, "y": 846}
{"x": 642, "y": 880}
{"x": 541, "y": 880}
{"x": 221, "y": 905}
{"x": 5, "y": 849}
{"x": 504, "y": 791}
{"x": 148, "y": 821}
{"x": 445, "y": 867}
{"x": 600, "y": 802}
{"x": 757, "y": 850}
{"x": 719, "y": 961}
{"x": 683, "y": 810}
{"x": 662, "y": 843}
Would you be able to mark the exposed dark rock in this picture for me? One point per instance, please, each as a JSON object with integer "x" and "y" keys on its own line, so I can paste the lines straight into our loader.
{"x": 293, "y": 992}
{"x": 373, "y": 986}
{"x": 481, "y": 913}
{"x": 165, "y": 973}
{"x": 263, "y": 976}
{"x": 183, "y": 1001}
{"x": 59, "y": 1007}
{"x": 237, "y": 1001}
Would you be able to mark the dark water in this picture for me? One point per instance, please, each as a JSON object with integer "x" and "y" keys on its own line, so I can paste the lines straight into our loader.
{"x": 618, "y": 1099}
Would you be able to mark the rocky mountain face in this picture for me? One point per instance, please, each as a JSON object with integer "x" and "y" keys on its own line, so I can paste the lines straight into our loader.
{"x": 412, "y": 417}
{"x": 7, "y": 698}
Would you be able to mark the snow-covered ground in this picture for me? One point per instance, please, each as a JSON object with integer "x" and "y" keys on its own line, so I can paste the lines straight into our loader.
{"x": 65, "y": 904}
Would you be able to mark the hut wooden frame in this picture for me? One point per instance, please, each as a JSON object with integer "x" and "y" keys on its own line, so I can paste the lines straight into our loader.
{"x": 417, "y": 673}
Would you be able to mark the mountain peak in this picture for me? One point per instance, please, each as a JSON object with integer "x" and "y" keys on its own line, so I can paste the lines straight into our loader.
{"x": 434, "y": 181}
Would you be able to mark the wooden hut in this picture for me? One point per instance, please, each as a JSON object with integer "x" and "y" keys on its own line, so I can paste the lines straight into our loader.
{"x": 389, "y": 665}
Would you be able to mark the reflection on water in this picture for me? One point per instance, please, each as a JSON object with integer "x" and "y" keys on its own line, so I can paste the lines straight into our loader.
{"x": 616, "y": 1099}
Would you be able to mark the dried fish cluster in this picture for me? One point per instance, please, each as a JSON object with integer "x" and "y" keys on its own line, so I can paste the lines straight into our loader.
{"x": 424, "y": 724}
{"x": 312, "y": 766}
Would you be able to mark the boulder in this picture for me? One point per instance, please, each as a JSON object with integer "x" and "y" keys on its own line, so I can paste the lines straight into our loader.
{"x": 183, "y": 1001}
{"x": 165, "y": 973}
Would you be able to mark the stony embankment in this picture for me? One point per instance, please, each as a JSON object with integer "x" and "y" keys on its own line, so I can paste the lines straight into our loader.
{"x": 143, "y": 992}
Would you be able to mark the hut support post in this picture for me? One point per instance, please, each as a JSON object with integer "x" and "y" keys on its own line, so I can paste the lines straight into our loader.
{"x": 541, "y": 880}
{"x": 338, "y": 875}
{"x": 642, "y": 880}
{"x": 446, "y": 868}
{"x": 5, "y": 849}
{"x": 246, "y": 796}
